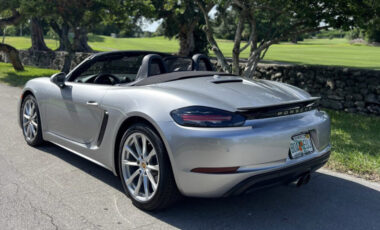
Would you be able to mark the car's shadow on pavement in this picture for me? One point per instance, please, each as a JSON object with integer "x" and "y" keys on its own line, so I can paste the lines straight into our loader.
{"x": 327, "y": 202}
{"x": 90, "y": 168}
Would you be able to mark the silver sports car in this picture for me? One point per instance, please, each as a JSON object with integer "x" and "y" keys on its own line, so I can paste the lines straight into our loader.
{"x": 171, "y": 126}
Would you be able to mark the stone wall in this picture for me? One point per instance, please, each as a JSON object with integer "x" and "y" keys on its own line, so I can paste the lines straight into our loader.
{"x": 46, "y": 59}
{"x": 349, "y": 89}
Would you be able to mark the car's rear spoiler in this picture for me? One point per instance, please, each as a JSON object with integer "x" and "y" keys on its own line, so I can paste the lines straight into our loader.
{"x": 280, "y": 109}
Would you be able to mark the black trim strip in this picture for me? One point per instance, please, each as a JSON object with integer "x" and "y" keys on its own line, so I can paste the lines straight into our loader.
{"x": 295, "y": 102}
{"x": 227, "y": 81}
{"x": 102, "y": 128}
{"x": 277, "y": 177}
{"x": 279, "y": 110}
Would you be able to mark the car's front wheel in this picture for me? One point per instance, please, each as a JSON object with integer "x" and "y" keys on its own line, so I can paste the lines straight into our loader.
{"x": 30, "y": 121}
{"x": 145, "y": 169}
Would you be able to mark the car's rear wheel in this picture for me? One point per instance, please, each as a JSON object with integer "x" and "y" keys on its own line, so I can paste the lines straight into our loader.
{"x": 145, "y": 169}
{"x": 30, "y": 121}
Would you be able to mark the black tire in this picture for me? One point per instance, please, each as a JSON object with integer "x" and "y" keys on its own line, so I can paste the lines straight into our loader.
{"x": 37, "y": 139}
{"x": 167, "y": 192}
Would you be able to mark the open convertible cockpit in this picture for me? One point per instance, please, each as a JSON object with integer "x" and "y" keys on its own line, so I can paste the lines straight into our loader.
{"x": 128, "y": 67}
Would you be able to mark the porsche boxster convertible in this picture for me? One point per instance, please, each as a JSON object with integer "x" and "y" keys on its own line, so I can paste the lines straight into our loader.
{"x": 171, "y": 126}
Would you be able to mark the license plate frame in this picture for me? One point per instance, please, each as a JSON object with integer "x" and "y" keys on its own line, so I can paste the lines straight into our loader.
{"x": 300, "y": 145}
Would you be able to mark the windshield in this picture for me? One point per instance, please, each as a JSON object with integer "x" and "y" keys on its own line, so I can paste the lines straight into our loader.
{"x": 125, "y": 68}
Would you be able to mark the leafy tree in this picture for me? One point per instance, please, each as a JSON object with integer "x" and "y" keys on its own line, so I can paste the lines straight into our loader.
{"x": 63, "y": 16}
{"x": 47, "y": 10}
{"x": 280, "y": 20}
{"x": 160, "y": 31}
{"x": 226, "y": 19}
{"x": 182, "y": 20}
{"x": 126, "y": 16}
{"x": 37, "y": 35}
{"x": 372, "y": 27}
{"x": 368, "y": 29}
{"x": 35, "y": 23}
{"x": 105, "y": 29}
{"x": 373, "y": 32}
{"x": 9, "y": 15}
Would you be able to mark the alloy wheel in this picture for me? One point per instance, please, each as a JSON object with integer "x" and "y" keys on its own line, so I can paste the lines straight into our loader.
{"x": 140, "y": 167}
{"x": 29, "y": 120}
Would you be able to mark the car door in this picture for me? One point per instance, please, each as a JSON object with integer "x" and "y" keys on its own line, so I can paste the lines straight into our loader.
{"x": 74, "y": 112}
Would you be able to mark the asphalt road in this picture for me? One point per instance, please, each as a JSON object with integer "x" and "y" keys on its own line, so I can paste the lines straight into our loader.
{"x": 50, "y": 188}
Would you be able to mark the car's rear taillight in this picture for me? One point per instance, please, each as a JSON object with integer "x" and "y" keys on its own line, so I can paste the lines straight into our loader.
{"x": 200, "y": 116}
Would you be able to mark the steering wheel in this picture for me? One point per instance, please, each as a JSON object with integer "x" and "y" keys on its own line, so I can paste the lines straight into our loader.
{"x": 106, "y": 79}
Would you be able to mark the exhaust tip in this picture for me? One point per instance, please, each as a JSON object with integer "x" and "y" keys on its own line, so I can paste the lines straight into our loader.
{"x": 300, "y": 181}
{"x": 303, "y": 180}
{"x": 306, "y": 179}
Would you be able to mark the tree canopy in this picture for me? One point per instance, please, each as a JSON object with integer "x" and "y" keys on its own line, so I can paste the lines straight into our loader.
{"x": 372, "y": 26}
{"x": 251, "y": 24}
{"x": 10, "y": 15}
{"x": 271, "y": 21}
{"x": 181, "y": 20}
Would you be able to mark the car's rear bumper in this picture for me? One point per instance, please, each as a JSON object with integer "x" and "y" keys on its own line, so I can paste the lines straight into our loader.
{"x": 227, "y": 184}
{"x": 259, "y": 147}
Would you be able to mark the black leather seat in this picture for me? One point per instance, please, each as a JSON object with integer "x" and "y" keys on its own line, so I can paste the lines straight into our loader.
{"x": 202, "y": 63}
{"x": 152, "y": 64}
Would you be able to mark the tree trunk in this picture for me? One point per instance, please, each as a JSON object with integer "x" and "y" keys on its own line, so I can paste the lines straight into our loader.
{"x": 3, "y": 36}
{"x": 67, "y": 62}
{"x": 253, "y": 60}
{"x": 186, "y": 40}
{"x": 294, "y": 39}
{"x": 255, "y": 57}
{"x": 37, "y": 36}
{"x": 63, "y": 34}
{"x": 210, "y": 37}
{"x": 13, "y": 56}
{"x": 236, "y": 49}
{"x": 80, "y": 40}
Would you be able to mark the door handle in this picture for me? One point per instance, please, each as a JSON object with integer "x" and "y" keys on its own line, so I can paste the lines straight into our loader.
{"x": 92, "y": 103}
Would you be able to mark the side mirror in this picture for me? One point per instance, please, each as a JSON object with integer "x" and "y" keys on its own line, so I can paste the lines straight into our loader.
{"x": 58, "y": 79}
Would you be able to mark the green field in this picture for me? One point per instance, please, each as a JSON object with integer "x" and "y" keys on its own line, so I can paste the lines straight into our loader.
{"x": 311, "y": 51}
{"x": 355, "y": 141}
{"x": 355, "y": 138}
{"x": 9, "y": 76}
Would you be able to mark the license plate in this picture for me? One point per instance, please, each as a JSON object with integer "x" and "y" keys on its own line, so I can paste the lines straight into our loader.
{"x": 301, "y": 145}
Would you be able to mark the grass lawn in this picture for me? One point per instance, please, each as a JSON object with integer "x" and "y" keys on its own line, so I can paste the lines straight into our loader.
{"x": 355, "y": 143}
{"x": 311, "y": 51}
{"x": 9, "y": 76}
{"x": 355, "y": 138}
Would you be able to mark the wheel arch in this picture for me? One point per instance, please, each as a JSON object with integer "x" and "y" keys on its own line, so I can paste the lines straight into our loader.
{"x": 24, "y": 94}
{"x": 124, "y": 126}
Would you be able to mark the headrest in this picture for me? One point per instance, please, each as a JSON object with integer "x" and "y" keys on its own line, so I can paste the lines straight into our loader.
{"x": 152, "y": 64}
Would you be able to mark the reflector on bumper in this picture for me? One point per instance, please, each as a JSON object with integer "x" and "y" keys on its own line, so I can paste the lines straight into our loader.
{"x": 215, "y": 170}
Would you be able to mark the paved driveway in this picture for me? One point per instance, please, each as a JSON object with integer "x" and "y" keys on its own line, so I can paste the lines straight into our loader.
{"x": 50, "y": 188}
